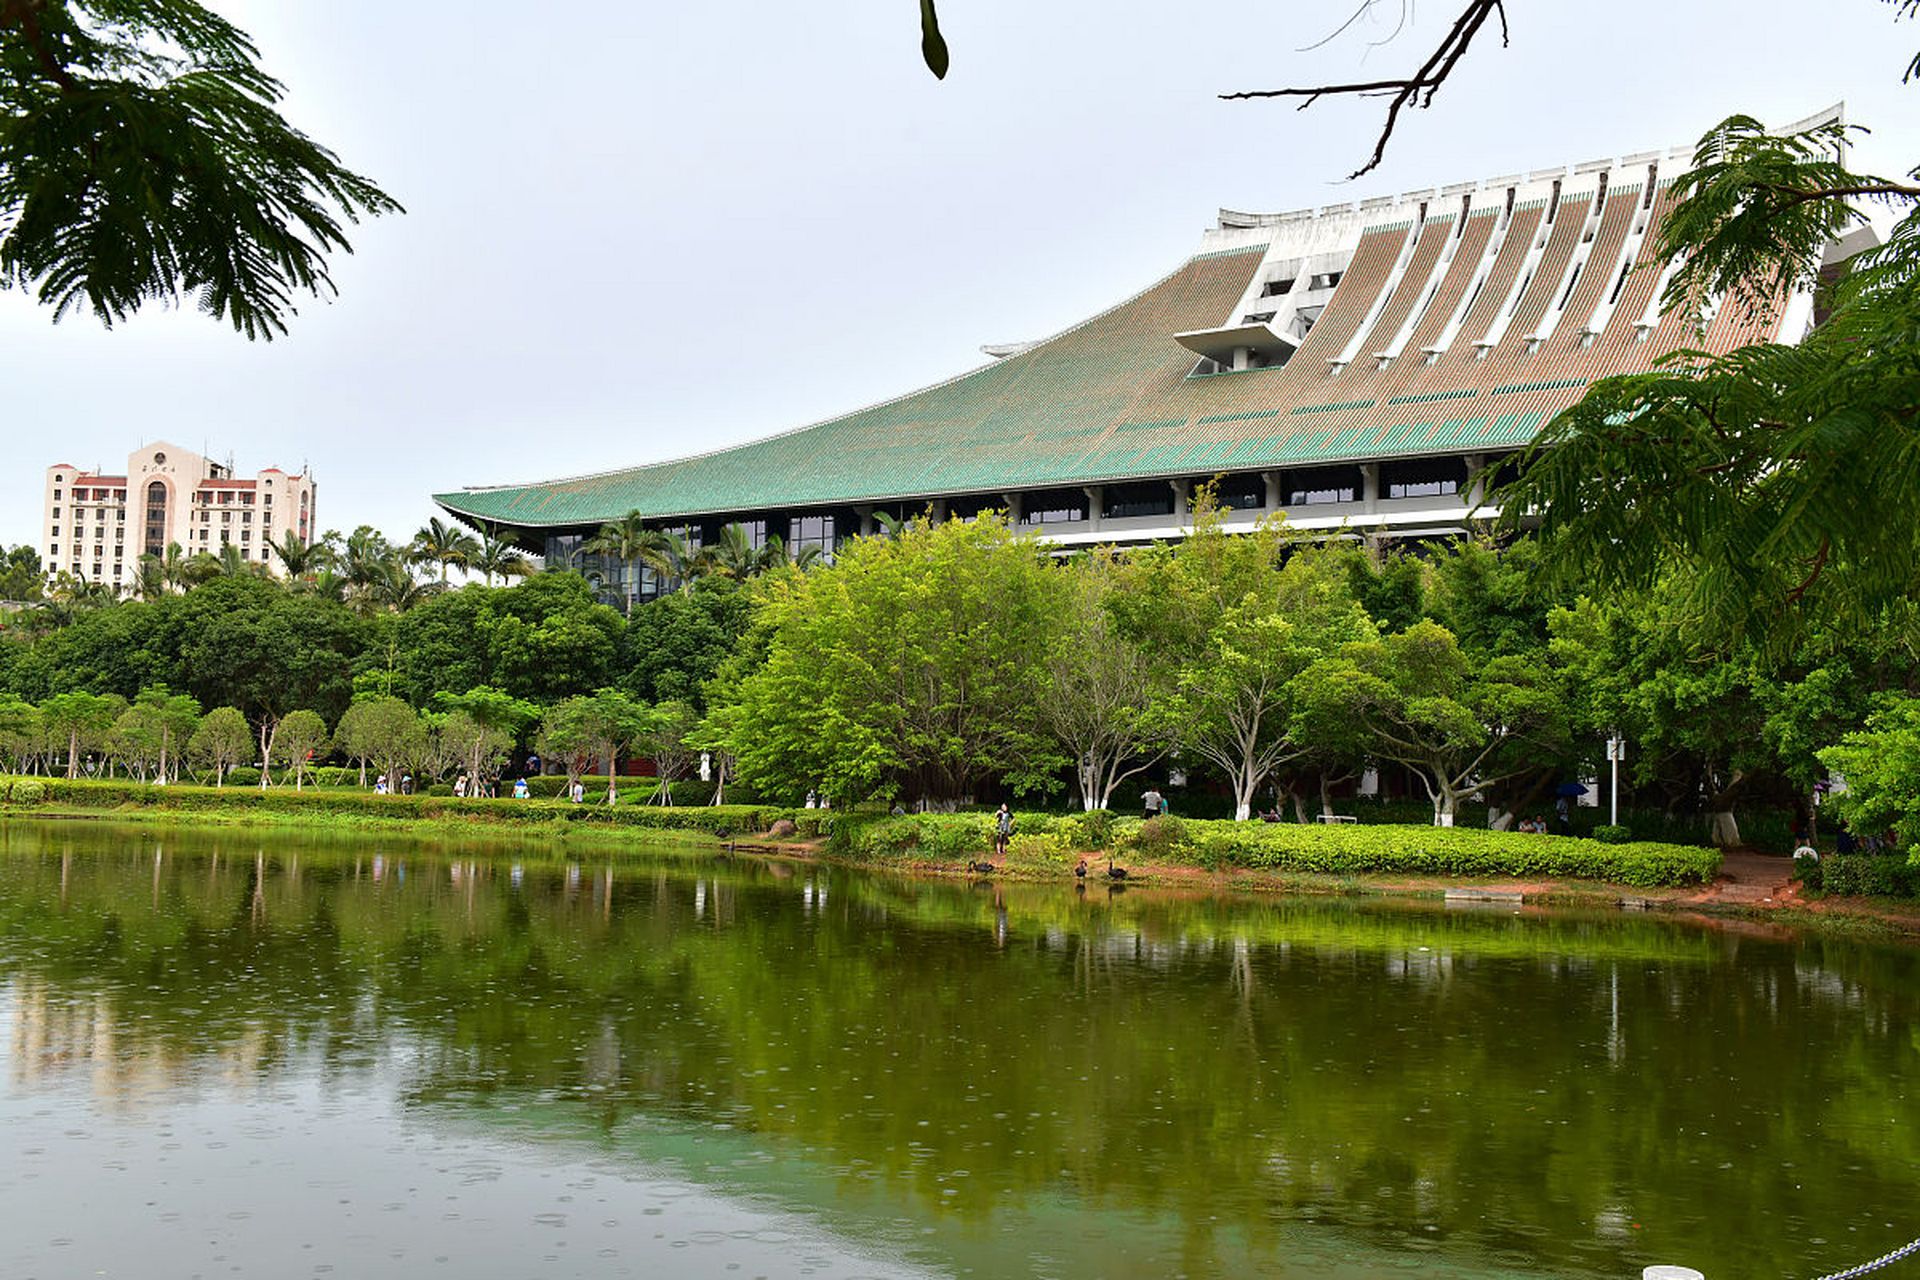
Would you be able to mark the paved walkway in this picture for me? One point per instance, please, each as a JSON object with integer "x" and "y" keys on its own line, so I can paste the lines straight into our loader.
{"x": 1749, "y": 877}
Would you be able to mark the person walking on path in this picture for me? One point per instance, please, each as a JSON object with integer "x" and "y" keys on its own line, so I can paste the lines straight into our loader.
{"x": 1002, "y": 830}
{"x": 1150, "y": 803}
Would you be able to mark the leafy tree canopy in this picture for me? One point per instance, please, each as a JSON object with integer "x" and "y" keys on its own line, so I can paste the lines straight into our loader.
{"x": 142, "y": 157}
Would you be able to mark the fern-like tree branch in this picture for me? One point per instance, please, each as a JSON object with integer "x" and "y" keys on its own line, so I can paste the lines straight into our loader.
{"x": 142, "y": 157}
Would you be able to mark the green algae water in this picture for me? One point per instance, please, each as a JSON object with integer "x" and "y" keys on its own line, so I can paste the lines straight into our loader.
{"x": 267, "y": 1055}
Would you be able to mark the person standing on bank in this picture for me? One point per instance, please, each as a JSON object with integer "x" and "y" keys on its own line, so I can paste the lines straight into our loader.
{"x": 1002, "y": 830}
{"x": 1150, "y": 803}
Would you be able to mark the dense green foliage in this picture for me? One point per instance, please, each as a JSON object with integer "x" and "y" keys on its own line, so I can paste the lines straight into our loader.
{"x": 1323, "y": 850}
{"x": 1780, "y": 481}
{"x": 142, "y": 157}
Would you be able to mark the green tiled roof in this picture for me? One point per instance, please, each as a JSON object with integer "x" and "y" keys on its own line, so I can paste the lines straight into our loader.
{"x": 1113, "y": 400}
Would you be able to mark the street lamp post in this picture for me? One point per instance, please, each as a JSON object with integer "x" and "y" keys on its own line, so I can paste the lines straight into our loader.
{"x": 1616, "y": 752}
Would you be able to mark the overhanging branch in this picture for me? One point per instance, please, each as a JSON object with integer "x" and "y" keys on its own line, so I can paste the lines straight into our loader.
{"x": 1416, "y": 91}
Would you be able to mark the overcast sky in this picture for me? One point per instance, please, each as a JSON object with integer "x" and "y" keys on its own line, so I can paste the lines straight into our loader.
{"x": 641, "y": 230}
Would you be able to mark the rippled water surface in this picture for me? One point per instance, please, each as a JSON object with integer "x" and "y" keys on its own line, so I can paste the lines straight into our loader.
{"x": 237, "y": 1054}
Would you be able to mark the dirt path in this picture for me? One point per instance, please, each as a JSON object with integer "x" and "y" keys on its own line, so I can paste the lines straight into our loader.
{"x": 1752, "y": 879}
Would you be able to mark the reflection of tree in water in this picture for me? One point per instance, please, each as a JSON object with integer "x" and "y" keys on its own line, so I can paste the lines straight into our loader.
{"x": 1528, "y": 1085}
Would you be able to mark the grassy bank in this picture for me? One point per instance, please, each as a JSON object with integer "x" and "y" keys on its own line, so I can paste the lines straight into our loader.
{"x": 1043, "y": 845}
{"x": 330, "y": 807}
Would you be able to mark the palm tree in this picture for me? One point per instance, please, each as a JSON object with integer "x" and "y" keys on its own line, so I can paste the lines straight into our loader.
{"x": 149, "y": 577}
{"x": 674, "y": 559}
{"x": 503, "y": 558}
{"x": 776, "y": 556}
{"x": 447, "y": 545}
{"x": 300, "y": 559}
{"x": 397, "y": 589}
{"x": 328, "y": 585}
{"x": 733, "y": 555}
{"x": 363, "y": 560}
{"x": 625, "y": 540}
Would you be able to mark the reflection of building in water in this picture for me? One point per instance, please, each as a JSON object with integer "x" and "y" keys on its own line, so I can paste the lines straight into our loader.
{"x": 57, "y": 1037}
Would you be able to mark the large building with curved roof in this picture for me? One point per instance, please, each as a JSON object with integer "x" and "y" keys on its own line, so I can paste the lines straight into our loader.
{"x": 1353, "y": 366}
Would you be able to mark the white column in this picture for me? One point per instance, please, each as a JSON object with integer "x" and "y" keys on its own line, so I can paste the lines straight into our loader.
{"x": 1096, "y": 499}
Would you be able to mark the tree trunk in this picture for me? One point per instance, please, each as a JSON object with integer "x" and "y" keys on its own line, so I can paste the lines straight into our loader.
{"x": 269, "y": 730}
{"x": 1326, "y": 796}
{"x": 1244, "y": 786}
{"x": 1723, "y": 828}
{"x": 73, "y": 754}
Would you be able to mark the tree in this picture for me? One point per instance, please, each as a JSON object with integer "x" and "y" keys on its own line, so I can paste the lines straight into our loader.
{"x": 23, "y": 734}
{"x": 582, "y": 729}
{"x": 1782, "y": 481}
{"x": 677, "y": 643}
{"x": 302, "y": 736}
{"x": 443, "y": 544}
{"x": 81, "y": 722}
{"x": 21, "y": 577}
{"x": 498, "y": 718}
{"x": 908, "y": 666}
{"x": 1235, "y": 626}
{"x": 222, "y": 741}
{"x": 1460, "y": 726}
{"x": 1881, "y": 765}
{"x": 624, "y": 540}
{"x": 1103, "y": 689}
{"x": 482, "y": 748}
{"x": 173, "y": 717}
{"x": 299, "y": 558}
{"x": 249, "y": 644}
{"x": 141, "y": 157}
{"x": 377, "y": 729}
{"x": 667, "y": 740}
{"x": 500, "y": 559}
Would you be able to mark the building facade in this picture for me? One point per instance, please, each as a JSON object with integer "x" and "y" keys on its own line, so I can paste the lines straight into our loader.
{"x": 98, "y": 525}
{"x": 1354, "y": 367}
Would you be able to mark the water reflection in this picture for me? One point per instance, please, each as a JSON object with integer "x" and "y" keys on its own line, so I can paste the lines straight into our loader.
{"x": 891, "y": 1074}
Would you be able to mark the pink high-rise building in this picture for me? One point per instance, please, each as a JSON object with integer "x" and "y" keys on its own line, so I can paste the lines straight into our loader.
{"x": 97, "y": 526}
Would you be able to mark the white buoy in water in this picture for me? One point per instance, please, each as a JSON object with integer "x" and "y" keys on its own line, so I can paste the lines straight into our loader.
{"x": 1664, "y": 1272}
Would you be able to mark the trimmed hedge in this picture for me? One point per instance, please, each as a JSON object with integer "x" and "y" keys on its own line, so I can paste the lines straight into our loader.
{"x": 1443, "y": 851}
{"x": 1864, "y": 875}
{"x": 321, "y": 803}
{"x": 1326, "y": 850}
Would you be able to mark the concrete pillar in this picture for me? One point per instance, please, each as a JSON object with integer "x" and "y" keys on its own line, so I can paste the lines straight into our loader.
{"x": 1476, "y": 487}
{"x": 1096, "y": 499}
{"x": 1182, "y": 491}
{"x": 1240, "y": 359}
{"x": 1276, "y": 494}
{"x": 939, "y": 510}
{"x": 1370, "y": 485}
{"x": 866, "y": 529}
{"x": 1016, "y": 506}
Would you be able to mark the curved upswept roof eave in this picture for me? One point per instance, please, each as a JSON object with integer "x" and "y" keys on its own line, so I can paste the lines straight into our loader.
{"x": 460, "y": 502}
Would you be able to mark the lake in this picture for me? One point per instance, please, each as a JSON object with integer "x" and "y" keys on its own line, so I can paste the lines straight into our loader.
{"x": 262, "y": 1054}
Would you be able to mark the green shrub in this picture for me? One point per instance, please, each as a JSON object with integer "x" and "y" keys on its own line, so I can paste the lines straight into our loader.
{"x": 440, "y": 789}
{"x": 1613, "y": 835}
{"x": 1417, "y": 850}
{"x": 1809, "y": 871}
{"x": 1160, "y": 837}
{"x": 331, "y": 775}
{"x": 243, "y": 775}
{"x": 1865, "y": 875}
{"x": 26, "y": 791}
